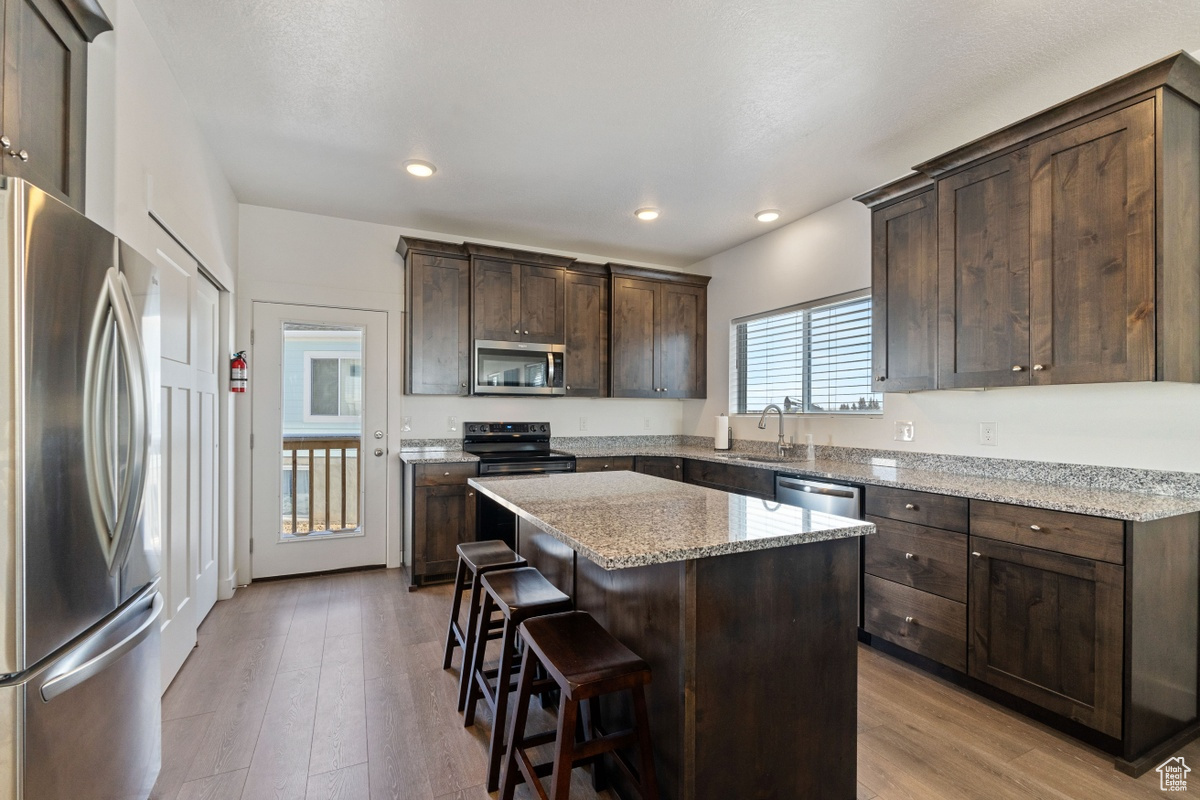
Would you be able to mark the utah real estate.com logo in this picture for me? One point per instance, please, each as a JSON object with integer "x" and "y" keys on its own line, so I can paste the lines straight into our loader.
{"x": 1172, "y": 775}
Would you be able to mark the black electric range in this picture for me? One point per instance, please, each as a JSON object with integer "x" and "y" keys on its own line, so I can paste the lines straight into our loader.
{"x": 514, "y": 448}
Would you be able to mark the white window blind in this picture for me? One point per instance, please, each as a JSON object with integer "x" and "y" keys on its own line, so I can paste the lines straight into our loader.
{"x": 813, "y": 359}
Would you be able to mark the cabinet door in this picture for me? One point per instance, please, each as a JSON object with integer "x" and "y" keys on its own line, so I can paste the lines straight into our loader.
{"x": 904, "y": 294}
{"x": 45, "y": 84}
{"x": 1092, "y": 250}
{"x": 660, "y": 466}
{"x": 634, "y": 348}
{"x": 983, "y": 275}
{"x": 586, "y": 335}
{"x": 682, "y": 332}
{"x": 1048, "y": 628}
{"x": 497, "y": 300}
{"x": 542, "y": 300}
{"x": 443, "y": 517}
{"x": 439, "y": 334}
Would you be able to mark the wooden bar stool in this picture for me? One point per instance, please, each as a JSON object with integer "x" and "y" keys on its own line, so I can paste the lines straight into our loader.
{"x": 474, "y": 559}
{"x": 585, "y": 661}
{"x": 518, "y": 594}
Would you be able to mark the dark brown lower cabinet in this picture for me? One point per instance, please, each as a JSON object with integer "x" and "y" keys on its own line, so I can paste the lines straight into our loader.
{"x": 923, "y": 622}
{"x": 602, "y": 464}
{"x": 661, "y": 466}
{"x": 1049, "y": 628}
{"x": 734, "y": 478}
{"x": 443, "y": 516}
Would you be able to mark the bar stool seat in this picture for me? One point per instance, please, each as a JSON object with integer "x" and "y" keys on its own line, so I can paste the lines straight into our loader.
{"x": 519, "y": 594}
{"x": 586, "y": 662}
{"x": 474, "y": 559}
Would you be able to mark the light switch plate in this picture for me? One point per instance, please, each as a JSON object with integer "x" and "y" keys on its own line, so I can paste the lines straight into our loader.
{"x": 905, "y": 432}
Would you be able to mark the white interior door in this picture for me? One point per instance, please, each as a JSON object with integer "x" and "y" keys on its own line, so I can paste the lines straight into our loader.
{"x": 318, "y": 384}
{"x": 189, "y": 449}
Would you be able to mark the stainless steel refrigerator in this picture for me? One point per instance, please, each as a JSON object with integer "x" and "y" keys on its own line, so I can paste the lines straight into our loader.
{"x": 79, "y": 507}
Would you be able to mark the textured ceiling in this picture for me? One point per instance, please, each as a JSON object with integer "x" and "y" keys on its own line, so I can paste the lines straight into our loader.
{"x": 551, "y": 121}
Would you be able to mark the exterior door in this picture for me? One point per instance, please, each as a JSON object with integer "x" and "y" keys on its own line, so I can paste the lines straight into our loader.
{"x": 189, "y": 424}
{"x": 318, "y": 383}
{"x": 1092, "y": 230}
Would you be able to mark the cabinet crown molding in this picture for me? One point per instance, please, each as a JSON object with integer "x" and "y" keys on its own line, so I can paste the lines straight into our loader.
{"x": 630, "y": 271}
{"x": 896, "y": 190}
{"x": 432, "y": 247}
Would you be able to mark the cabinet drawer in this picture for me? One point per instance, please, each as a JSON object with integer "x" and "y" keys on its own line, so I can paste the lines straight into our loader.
{"x": 660, "y": 466}
{"x": 919, "y": 621}
{"x": 730, "y": 477}
{"x": 929, "y": 559}
{"x": 923, "y": 508}
{"x": 1071, "y": 534}
{"x": 597, "y": 464}
{"x": 445, "y": 474}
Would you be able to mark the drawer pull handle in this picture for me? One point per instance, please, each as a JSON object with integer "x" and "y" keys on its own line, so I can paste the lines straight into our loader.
{"x": 975, "y": 553}
{"x": 910, "y": 506}
{"x": 909, "y": 556}
{"x": 1035, "y": 527}
{"x": 911, "y": 620}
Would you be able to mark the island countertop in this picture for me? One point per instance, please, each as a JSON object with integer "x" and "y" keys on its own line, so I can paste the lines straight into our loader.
{"x": 627, "y": 519}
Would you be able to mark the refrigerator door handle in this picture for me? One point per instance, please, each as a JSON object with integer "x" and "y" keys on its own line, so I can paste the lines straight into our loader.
{"x": 97, "y": 465}
{"x": 130, "y": 504}
{"x": 65, "y": 681}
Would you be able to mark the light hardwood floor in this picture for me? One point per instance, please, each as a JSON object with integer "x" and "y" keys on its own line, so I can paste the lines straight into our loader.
{"x": 332, "y": 687}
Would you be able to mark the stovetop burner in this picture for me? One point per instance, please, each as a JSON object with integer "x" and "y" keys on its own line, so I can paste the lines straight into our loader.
{"x": 514, "y": 448}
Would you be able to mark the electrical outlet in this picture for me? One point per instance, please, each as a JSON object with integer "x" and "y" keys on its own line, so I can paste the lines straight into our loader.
{"x": 405, "y": 424}
{"x": 583, "y": 423}
{"x": 646, "y": 423}
{"x": 905, "y": 432}
{"x": 987, "y": 433}
{"x": 452, "y": 424}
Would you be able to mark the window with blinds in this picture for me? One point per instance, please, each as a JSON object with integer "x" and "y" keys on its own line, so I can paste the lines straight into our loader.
{"x": 811, "y": 359}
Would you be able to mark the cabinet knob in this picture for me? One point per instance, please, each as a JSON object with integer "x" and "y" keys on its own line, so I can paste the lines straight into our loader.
{"x": 568, "y": 388}
{"x": 605, "y": 466}
{"x": 1038, "y": 367}
{"x": 909, "y": 556}
{"x": 470, "y": 494}
{"x": 1035, "y": 527}
{"x": 881, "y": 378}
{"x": 910, "y": 506}
{"x": 447, "y": 474}
{"x": 910, "y": 620}
{"x": 975, "y": 553}
{"x": 1018, "y": 368}
{"x": 463, "y": 385}
{"x": 676, "y": 466}
{"x": 526, "y": 333}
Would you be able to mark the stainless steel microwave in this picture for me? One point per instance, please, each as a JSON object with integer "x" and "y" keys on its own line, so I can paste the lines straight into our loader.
{"x": 519, "y": 368}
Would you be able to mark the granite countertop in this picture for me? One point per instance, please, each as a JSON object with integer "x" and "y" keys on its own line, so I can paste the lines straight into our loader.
{"x": 1133, "y": 506}
{"x": 627, "y": 519}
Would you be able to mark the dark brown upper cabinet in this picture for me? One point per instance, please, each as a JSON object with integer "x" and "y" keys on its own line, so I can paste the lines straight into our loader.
{"x": 983, "y": 274}
{"x": 659, "y": 335}
{"x": 438, "y": 334}
{"x": 1069, "y": 245}
{"x": 904, "y": 285}
{"x": 518, "y": 301}
{"x": 1092, "y": 270}
{"x": 587, "y": 331}
{"x": 44, "y": 86}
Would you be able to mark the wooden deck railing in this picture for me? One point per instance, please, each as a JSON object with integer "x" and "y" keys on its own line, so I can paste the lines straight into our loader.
{"x": 334, "y": 476}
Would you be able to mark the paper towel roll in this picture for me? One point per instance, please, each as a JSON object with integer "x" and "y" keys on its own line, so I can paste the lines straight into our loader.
{"x": 721, "y": 436}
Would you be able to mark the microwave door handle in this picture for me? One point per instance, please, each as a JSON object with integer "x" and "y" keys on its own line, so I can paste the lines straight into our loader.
{"x": 550, "y": 363}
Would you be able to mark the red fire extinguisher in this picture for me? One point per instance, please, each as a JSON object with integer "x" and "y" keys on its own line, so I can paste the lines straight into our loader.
{"x": 237, "y": 372}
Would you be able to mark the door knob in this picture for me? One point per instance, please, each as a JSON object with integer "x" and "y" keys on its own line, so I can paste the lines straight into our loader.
{"x": 378, "y": 434}
{"x": 378, "y": 451}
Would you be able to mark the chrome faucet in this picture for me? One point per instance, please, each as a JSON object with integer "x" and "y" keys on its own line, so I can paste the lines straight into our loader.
{"x": 782, "y": 448}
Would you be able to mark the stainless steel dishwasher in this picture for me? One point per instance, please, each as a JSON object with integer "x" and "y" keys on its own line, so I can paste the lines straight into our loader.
{"x": 832, "y": 498}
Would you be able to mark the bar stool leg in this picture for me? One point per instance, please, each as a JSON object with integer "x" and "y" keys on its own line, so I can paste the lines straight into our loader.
{"x": 476, "y": 664}
{"x": 464, "y": 674}
{"x": 564, "y": 749}
{"x": 649, "y": 783}
{"x": 593, "y": 728}
{"x": 516, "y": 731}
{"x": 508, "y": 649}
{"x": 460, "y": 581}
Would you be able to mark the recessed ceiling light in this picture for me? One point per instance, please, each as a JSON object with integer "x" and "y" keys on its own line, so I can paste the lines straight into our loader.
{"x": 646, "y": 214}
{"x": 767, "y": 215}
{"x": 422, "y": 169}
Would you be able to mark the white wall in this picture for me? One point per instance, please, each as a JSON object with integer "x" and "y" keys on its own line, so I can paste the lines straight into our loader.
{"x": 146, "y": 154}
{"x": 292, "y": 257}
{"x": 1154, "y": 426}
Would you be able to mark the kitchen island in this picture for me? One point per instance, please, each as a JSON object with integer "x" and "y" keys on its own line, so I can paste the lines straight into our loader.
{"x": 745, "y": 610}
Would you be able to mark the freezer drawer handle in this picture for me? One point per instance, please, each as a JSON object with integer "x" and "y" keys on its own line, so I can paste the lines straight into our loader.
{"x": 68, "y": 680}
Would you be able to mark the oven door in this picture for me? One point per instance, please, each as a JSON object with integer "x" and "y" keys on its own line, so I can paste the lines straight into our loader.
{"x": 519, "y": 368}
{"x": 525, "y": 467}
